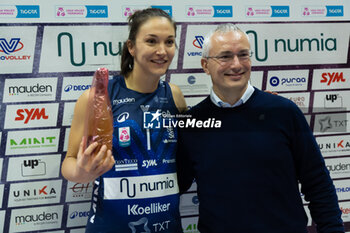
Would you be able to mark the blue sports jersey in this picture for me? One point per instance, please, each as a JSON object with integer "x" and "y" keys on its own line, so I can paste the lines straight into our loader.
{"x": 140, "y": 193}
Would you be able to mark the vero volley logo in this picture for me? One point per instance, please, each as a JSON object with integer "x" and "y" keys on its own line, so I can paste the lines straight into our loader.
{"x": 11, "y": 46}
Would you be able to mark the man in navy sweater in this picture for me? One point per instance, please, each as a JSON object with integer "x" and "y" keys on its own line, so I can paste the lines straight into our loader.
{"x": 248, "y": 170}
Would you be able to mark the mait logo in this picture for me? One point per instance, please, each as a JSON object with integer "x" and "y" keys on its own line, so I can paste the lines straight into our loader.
{"x": 151, "y": 120}
{"x": 198, "y": 42}
{"x": 10, "y": 47}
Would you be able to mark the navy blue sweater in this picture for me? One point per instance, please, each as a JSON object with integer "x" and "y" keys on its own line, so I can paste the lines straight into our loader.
{"x": 247, "y": 171}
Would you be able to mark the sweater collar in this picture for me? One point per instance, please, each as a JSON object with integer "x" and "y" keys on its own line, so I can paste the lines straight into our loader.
{"x": 218, "y": 102}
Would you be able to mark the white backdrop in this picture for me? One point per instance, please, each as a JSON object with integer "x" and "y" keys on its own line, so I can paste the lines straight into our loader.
{"x": 50, "y": 49}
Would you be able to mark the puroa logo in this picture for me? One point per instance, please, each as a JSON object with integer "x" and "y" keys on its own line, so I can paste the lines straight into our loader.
{"x": 30, "y": 114}
{"x": 332, "y": 77}
{"x": 10, "y": 47}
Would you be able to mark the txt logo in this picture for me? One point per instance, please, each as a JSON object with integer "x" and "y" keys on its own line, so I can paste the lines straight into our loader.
{"x": 10, "y": 47}
{"x": 30, "y": 114}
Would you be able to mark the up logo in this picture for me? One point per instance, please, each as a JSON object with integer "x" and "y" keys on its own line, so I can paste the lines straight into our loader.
{"x": 33, "y": 167}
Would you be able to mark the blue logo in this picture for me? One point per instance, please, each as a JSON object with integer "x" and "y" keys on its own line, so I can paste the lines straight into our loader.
{"x": 198, "y": 42}
{"x": 223, "y": 11}
{"x": 11, "y": 47}
{"x": 191, "y": 79}
{"x": 167, "y": 9}
{"x": 274, "y": 81}
{"x": 151, "y": 120}
{"x": 77, "y": 214}
{"x": 335, "y": 11}
{"x": 195, "y": 200}
{"x": 97, "y": 11}
{"x": 28, "y": 11}
{"x": 280, "y": 11}
{"x": 71, "y": 87}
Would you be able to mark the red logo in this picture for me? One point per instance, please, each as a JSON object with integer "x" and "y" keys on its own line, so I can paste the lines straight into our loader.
{"x": 332, "y": 78}
{"x": 42, "y": 191}
{"x": 32, "y": 114}
{"x": 79, "y": 188}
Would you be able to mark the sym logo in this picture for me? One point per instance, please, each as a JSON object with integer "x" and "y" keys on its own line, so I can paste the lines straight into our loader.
{"x": 31, "y": 114}
{"x": 10, "y": 47}
{"x": 33, "y": 167}
{"x": 332, "y": 78}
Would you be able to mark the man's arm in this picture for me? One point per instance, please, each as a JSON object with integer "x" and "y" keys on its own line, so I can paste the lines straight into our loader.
{"x": 316, "y": 184}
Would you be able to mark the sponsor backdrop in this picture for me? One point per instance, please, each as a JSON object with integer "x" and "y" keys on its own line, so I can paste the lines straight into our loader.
{"x": 49, "y": 51}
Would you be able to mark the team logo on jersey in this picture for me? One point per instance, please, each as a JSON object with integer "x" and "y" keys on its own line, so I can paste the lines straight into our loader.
{"x": 124, "y": 136}
{"x": 151, "y": 120}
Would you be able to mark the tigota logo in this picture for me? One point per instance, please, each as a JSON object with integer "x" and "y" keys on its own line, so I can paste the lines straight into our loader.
{"x": 31, "y": 114}
{"x": 332, "y": 78}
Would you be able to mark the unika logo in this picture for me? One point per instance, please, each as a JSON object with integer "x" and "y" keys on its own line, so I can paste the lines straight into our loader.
{"x": 97, "y": 46}
{"x": 43, "y": 191}
{"x": 335, "y": 145}
{"x": 27, "y": 115}
{"x": 332, "y": 78}
{"x": 10, "y": 47}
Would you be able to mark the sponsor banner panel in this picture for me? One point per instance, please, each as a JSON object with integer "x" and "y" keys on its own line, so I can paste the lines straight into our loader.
{"x": 34, "y": 167}
{"x": 1, "y": 194}
{"x": 78, "y": 214}
{"x": 342, "y": 188}
{"x": 38, "y": 218}
{"x": 335, "y": 123}
{"x": 287, "y": 80}
{"x": 2, "y": 220}
{"x": 327, "y": 79}
{"x": 189, "y": 204}
{"x": 68, "y": 113}
{"x": 334, "y": 145}
{"x": 29, "y": 116}
{"x": 339, "y": 167}
{"x": 192, "y": 84}
{"x": 66, "y": 139}
{"x": 17, "y": 45}
{"x": 35, "y": 193}
{"x": 32, "y": 141}
{"x": 73, "y": 87}
{"x": 75, "y": 48}
{"x": 302, "y": 99}
{"x": 256, "y": 79}
{"x": 331, "y": 101}
{"x": 281, "y": 44}
{"x": 345, "y": 209}
{"x": 30, "y": 90}
{"x": 79, "y": 192}
{"x": 189, "y": 225}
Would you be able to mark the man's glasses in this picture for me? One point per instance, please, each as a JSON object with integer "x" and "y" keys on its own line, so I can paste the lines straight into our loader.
{"x": 228, "y": 58}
